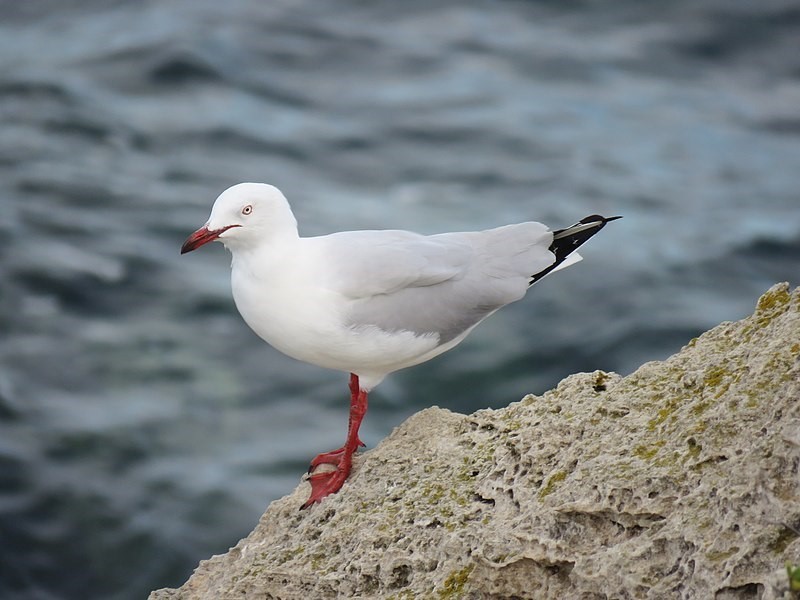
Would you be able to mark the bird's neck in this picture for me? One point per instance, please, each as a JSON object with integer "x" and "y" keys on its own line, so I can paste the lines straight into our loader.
{"x": 269, "y": 250}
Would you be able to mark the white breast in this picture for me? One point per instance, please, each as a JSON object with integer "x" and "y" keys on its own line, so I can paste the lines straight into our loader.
{"x": 284, "y": 303}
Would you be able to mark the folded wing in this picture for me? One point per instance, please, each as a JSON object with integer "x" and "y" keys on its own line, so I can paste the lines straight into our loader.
{"x": 441, "y": 284}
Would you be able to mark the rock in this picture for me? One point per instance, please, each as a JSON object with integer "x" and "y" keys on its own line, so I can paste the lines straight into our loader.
{"x": 678, "y": 481}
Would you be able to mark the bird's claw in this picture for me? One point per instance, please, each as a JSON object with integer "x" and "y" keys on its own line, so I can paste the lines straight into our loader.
{"x": 330, "y": 458}
{"x": 326, "y": 483}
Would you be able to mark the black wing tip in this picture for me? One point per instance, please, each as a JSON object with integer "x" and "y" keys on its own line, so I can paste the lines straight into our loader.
{"x": 592, "y": 223}
{"x": 596, "y": 219}
{"x": 565, "y": 245}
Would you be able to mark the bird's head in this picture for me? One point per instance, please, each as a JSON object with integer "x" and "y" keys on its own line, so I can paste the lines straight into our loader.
{"x": 243, "y": 216}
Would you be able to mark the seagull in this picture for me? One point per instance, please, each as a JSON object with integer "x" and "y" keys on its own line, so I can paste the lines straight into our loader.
{"x": 372, "y": 302}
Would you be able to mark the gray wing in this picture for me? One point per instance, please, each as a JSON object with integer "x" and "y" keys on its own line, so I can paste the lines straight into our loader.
{"x": 442, "y": 284}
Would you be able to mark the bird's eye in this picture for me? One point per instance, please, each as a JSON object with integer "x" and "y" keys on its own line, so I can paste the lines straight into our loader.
{"x": 247, "y": 209}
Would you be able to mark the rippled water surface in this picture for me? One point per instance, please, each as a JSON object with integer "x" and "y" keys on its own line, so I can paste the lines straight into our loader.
{"x": 144, "y": 427}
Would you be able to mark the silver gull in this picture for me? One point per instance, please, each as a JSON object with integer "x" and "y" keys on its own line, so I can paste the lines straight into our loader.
{"x": 371, "y": 302}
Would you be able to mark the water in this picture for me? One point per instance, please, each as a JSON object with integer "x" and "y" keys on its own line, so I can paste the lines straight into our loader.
{"x": 143, "y": 427}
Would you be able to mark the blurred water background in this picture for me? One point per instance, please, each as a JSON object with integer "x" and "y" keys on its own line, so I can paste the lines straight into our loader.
{"x": 143, "y": 427}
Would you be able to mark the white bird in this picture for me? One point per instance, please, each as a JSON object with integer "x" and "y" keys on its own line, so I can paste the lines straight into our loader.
{"x": 371, "y": 302}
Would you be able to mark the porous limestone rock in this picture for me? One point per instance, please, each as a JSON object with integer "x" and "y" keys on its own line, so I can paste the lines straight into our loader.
{"x": 678, "y": 481}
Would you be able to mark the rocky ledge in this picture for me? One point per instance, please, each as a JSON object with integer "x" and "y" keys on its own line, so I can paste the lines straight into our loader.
{"x": 678, "y": 481}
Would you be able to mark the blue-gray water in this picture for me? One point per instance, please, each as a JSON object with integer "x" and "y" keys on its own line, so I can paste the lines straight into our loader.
{"x": 144, "y": 427}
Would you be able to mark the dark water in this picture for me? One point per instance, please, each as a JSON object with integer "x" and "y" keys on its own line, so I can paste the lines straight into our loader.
{"x": 143, "y": 427}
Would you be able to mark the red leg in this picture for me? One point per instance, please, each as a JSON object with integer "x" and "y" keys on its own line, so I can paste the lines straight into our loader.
{"x": 329, "y": 482}
{"x": 334, "y": 457}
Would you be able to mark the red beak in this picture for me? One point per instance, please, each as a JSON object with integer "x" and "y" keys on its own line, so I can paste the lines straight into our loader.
{"x": 202, "y": 236}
